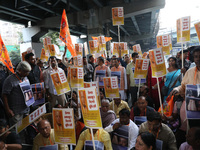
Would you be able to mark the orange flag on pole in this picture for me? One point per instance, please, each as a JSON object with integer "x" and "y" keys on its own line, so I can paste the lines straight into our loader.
{"x": 4, "y": 56}
{"x": 65, "y": 34}
{"x": 106, "y": 38}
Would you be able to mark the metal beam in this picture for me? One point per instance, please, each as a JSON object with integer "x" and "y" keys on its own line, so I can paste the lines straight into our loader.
{"x": 136, "y": 25}
{"x": 19, "y": 16}
{"x": 98, "y": 3}
{"x": 71, "y": 5}
{"x": 124, "y": 30}
{"x": 39, "y": 6}
{"x": 18, "y": 12}
{"x": 113, "y": 32}
{"x": 154, "y": 18}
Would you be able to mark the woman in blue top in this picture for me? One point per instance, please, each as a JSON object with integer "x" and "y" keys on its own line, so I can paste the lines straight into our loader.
{"x": 173, "y": 77}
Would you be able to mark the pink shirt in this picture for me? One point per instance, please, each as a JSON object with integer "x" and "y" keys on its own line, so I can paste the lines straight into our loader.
{"x": 182, "y": 115}
{"x": 185, "y": 146}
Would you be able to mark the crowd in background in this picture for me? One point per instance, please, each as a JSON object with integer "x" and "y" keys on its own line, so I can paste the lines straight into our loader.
{"x": 175, "y": 131}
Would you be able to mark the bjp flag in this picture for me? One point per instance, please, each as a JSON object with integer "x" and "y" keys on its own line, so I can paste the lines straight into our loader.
{"x": 65, "y": 34}
{"x": 106, "y": 38}
{"x": 4, "y": 56}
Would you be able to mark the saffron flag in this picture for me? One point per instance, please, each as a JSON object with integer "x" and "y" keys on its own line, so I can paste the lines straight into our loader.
{"x": 4, "y": 56}
{"x": 65, "y": 34}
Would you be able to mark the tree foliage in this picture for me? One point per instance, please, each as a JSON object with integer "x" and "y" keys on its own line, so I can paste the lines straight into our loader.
{"x": 15, "y": 55}
{"x": 53, "y": 35}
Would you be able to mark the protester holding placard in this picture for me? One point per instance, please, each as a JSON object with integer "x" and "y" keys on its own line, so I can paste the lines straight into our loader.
{"x": 186, "y": 63}
{"x": 132, "y": 86}
{"x": 45, "y": 137}
{"x": 13, "y": 97}
{"x": 161, "y": 131}
{"x": 141, "y": 109}
{"x": 88, "y": 70}
{"x": 50, "y": 84}
{"x": 101, "y": 71}
{"x": 121, "y": 75}
{"x": 124, "y": 119}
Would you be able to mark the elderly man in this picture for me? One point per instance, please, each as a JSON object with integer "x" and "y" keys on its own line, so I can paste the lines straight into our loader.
{"x": 13, "y": 97}
{"x": 161, "y": 131}
{"x": 107, "y": 116}
{"x": 124, "y": 119}
{"x": 45, "y": 137}
{"x": 118, "y": 105}
{"x": 50, "y": 89}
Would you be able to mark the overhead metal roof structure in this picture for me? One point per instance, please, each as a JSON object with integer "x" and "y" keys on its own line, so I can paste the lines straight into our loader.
{"x": 88, "y": 17}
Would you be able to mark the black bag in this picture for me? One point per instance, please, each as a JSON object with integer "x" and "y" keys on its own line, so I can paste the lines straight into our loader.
{"x": 165, "y": 89}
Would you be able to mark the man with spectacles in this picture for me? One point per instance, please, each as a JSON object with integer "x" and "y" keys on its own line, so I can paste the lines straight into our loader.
{"x": 161, "y": 131}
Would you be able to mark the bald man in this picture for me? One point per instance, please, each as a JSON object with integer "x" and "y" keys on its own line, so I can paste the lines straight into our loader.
{"x": 45, "y": 137}
{"x": 107, "y": 115}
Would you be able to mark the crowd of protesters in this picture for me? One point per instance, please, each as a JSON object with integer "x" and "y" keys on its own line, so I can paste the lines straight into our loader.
{"x": 175, "y": 131}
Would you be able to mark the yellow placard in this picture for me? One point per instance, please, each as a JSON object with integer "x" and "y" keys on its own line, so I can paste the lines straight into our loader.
{"x": 137, "y": 49}
{"x": 60, "y": 82}
{"x": 52, "y": 50}
{"x": 44, "y": 55}
{"x": 78, "y": 62}
{"x": 102, "y": 44}
{"x": 164, "y": 43}
{"x": 157, "y": 62}
{"x": 123, "y": 46}
{"x": 197, "y": 28}
{"x": 64, "y": 126}
{"x": 183, "y": 29}
{"x": 111, "y": 87}
{"x": 30, "y": 118}
{"x": 90, "y": 107}
{"x": 118, "y": 16}
{"x": 144, "y": 55}
{"x": 141, "y": 68}
{"x": 46, "y": 41}
{"x": 76, "y": 77}
{"x": 93, "y": 46}
{"x": 96, "y": 85}
{"x": 79, "y": 49}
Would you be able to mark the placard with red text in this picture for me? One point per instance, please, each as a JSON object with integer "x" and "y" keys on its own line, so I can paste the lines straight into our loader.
{"x": 157, "y": 62}
{"x": 90, "y": 107}
{"x": 64, "y": 126}
{"x": 111, "y": 87}
{"x": 141, "y": 68}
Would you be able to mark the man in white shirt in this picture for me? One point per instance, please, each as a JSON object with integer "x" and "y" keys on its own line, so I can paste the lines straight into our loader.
{"x": 50, "y": 88}
{"x": 124, "y": 119}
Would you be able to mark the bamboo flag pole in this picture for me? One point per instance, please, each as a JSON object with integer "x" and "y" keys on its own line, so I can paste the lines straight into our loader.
{"x": 138, "y": 89}
{"x": 92, "y": 139}
{"x": 159, "y": 96}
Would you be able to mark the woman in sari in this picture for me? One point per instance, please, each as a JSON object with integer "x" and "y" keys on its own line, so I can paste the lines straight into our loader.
{"x": 173, "y": 76}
